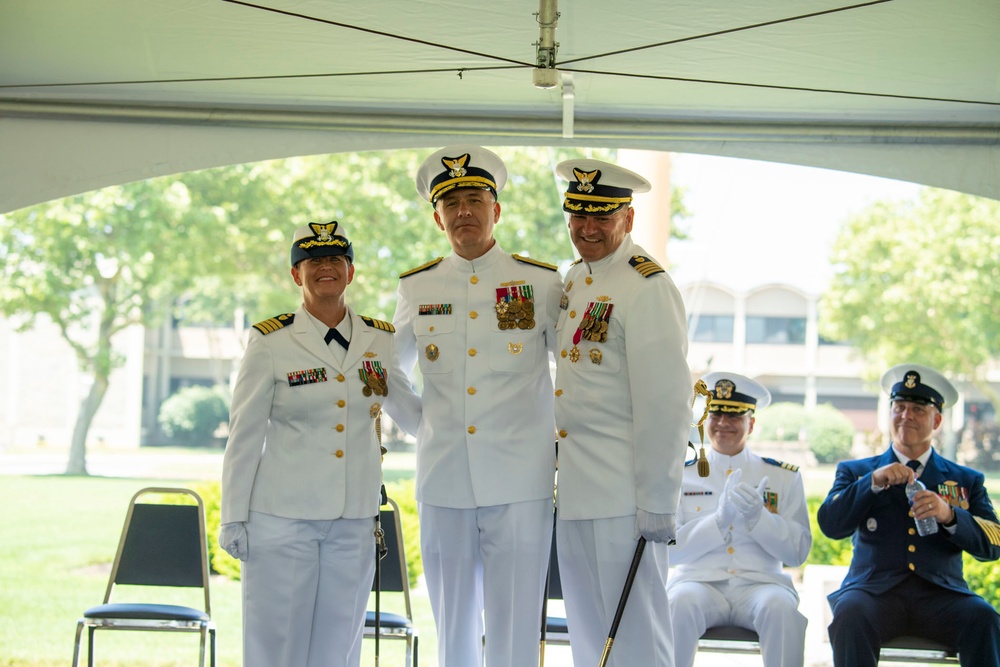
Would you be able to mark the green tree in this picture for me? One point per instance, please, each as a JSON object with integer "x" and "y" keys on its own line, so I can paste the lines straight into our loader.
{"x": 920, "y": 281}
{"x": 96, "y": 264}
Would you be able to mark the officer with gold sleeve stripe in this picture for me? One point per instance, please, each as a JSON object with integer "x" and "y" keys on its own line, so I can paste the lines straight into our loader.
{"x": 302, "y": 469}
{"x": 623, "y": 410}
{"x": 899, "y": 582}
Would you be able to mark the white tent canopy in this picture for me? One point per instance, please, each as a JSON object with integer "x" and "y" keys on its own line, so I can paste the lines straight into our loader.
{"x": 109, "y": 91}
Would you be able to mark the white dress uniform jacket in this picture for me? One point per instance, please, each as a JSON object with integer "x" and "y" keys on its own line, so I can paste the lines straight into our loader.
{"x": 487, "y": 434}
{"x": 623, "y": 407}
{"x": 780, "y": 536}
{"x": 302, "y": 441}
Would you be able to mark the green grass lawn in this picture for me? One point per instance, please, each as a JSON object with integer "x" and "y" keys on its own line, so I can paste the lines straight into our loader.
{"x": 57, "y": 540}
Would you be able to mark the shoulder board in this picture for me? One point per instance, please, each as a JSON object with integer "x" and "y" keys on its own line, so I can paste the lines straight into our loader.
{"x": 273, "y": 324}
{"x": 645, "y": 266}
{"x": 535, "y": 262}
{"x": 423, "y": 267}
{"x": 577, "y": 262}
{"x": 378, "y": 324}
{"x": 781, "y": 464}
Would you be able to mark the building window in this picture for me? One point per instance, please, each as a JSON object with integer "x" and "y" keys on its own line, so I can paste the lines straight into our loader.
{"x": 711, "y": 328}
{"x": 776, "y": 330}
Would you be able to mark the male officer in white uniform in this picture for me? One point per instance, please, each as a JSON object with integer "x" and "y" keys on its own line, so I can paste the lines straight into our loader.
{"x": 302, "y": 469}
{"x": 729, "y": 550}
{"x": 623, "y": 410}
{"x": 481, "y": 324}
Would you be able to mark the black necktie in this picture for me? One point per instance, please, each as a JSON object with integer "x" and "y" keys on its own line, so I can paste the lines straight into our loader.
{"x": 913, "y": 465}
{"x": 333, "y": 334}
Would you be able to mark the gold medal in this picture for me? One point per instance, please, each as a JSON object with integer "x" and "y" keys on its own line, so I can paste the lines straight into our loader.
{"x": 574, "y": 354}
{"x": 595, "y": 356}
{"x": 432, "y": 352}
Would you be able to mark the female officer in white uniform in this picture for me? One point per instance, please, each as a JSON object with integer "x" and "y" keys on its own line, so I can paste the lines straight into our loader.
{"x": 302, "y": 469}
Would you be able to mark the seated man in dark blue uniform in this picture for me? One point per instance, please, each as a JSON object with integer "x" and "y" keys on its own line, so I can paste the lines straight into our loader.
{"x": 900, "y": 583}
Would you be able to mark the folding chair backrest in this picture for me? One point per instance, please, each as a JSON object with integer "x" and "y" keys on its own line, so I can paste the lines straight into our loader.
{"x": 162, "y": 545}
{"x": 392, "y": 569}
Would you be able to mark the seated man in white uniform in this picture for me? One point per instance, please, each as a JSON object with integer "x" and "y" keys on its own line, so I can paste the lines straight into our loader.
{"x": 729, "y": 550}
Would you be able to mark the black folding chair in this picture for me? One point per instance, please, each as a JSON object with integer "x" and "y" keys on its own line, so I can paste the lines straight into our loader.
{"x": 161, "y": 545}
{"x": 394, "y": 579}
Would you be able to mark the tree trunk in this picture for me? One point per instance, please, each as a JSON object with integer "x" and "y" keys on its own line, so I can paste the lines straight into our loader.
{"x": 88, "y": 408}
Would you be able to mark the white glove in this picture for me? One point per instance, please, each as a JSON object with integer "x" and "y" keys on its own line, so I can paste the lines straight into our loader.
{"x": 233, "y": 538}
{"x": 725, "y": 513}
{"x": 655, "y": 527}
{"x": 750, "y": 502}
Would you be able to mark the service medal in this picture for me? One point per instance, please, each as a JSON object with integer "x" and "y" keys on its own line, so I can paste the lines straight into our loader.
{"x": 515, "y": 307}
{"x": 595, "y": 356}
{"x": 432, "y": 352}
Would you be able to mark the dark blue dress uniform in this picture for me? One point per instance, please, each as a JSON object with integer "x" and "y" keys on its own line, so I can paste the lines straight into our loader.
{"x": 901, "y": 583}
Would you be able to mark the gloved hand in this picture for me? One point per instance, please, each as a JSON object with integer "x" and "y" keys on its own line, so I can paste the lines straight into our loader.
{"x": 655, "y": 527}
{"x": 233, "y": 538}
{"x": 750, "y": 501}
{"x": 725, "y": 513}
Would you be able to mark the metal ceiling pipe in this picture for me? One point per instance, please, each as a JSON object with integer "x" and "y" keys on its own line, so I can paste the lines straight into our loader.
{"x": 545, "y": 74}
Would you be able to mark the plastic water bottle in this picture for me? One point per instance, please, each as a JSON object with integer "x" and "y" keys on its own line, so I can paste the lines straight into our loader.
{"x": 927, "y": 526}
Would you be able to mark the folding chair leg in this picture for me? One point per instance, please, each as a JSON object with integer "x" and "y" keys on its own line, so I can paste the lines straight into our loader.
{"x": 212, "y": 633}
{"x": 76, "y": 645}
{"x": 90, "y": 646}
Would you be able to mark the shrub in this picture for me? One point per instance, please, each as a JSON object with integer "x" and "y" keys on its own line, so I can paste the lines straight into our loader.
{"x": 193, "y": 414}
{"x": 827, "y": 430}
{"x": 983, "y": 578}
{"x": 218, "y": 560}
{"x": 783, "y": 422}
{"x": 825, "y": 551}
{"x": 829, "y": 433}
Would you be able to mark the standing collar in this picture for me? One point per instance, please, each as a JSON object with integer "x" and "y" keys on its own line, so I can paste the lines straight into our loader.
{"x": 481, "y": 263}
{"x": 623, "y": 250}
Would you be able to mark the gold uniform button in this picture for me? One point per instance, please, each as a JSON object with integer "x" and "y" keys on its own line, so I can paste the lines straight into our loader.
{"x": 697, "y": 509}
{"x": 340, "y": 377}
{"x": 339, "y": 453}
{"x": 563, "y": 354}
{"x": 912, "y": 531}
{"x": 473, "y": 314}
{"x": 589, "y": 280}
{"x": 472, "y": 391}
{"x": 563, "y": 433}
{"x": 558, "y": 392}
{"x": 731, "y": 550}
{"x": 341, "y": 403}
{"x": 572, "y": 313}
{"x": 912, "y": 567}
{"x": 472, "y": 430}
{"x": 340, "y": 428}
{"x": 474, "y": 280}
{"x": 431, "y": 329}
{"x": 911, "y": 548}
{"x": 472, "y": 351}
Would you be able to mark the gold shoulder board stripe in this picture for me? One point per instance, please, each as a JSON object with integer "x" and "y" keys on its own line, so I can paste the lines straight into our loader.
{"x": 528, "y": 260}
{"x": 423, "y": 267}
{"x": 645, "y": 266}
{"x": 378, "y": 324}
{"x": 577, "y": 262}
{"x": 274, "y": 323}
{"x": 991, "y": 529}
{"x": 781, "y": 464}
